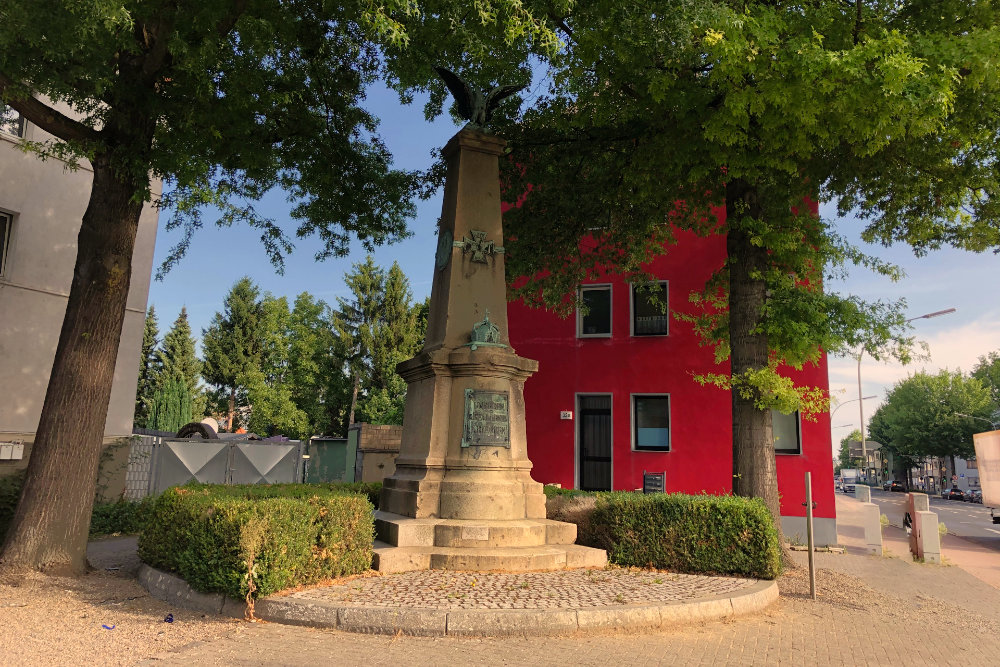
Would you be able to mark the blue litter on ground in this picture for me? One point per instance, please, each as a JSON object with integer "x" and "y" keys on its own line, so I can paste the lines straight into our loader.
{"x": 108, "y": 627}
{"x": 169, "y": 618}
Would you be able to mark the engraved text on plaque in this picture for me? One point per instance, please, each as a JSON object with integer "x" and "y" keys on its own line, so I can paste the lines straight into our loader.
{"x": 487, "y": 418}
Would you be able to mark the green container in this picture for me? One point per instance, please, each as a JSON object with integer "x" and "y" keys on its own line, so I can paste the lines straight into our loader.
{"x": 331, "y": 459}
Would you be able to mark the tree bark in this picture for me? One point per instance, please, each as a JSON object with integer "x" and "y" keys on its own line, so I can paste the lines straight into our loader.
{"x": 754, "y": 470}
{"x": 232, "y": 410}
{"x": 354, "y": 402}
{"x": 50, "y": 526}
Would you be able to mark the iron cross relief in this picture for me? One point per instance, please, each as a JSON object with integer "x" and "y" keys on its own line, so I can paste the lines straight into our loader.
{"x": 479, "y": 246}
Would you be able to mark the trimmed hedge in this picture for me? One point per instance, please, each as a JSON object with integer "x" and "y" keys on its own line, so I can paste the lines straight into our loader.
{"x": 258, "y": 539}
{"x": 703, "y": 534}
{"x": 123, "y": 517}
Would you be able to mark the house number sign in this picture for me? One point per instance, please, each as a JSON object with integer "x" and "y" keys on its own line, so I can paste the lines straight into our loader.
{"x": 487, "y": 419}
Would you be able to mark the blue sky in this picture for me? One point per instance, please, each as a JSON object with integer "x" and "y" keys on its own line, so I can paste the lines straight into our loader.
{"x": 944, "y": 279}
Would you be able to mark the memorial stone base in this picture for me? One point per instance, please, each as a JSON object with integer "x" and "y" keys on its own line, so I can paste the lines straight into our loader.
{"x": 461, "y": 496}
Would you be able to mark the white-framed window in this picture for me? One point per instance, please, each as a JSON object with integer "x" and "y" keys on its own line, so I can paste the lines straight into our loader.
{"x": 6, "y": 224}
{"x": 650, "y": 309}
{"x": 593, "y": 319}
{"x": 651, "y": 422}
{"x": 787, "y": 431}
{"x": 11, "y": 122}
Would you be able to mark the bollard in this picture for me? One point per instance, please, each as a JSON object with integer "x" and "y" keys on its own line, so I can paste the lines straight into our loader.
{"x": 871, "y": 520}
{"x": 930, "y": 539}
{"x": 863, "y": 493}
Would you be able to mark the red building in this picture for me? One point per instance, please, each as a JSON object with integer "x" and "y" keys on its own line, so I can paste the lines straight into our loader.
{"x": 615, "y": 396}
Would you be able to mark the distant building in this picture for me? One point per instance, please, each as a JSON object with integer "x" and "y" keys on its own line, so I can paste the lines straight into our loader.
{"x": 41, "y": 208}
{"x": 615, "y": 396}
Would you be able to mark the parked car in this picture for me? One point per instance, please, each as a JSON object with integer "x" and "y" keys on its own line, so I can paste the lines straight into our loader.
{"x": 886, "y": 485}
{"x": 953, "y": 493}
{"x": 896, "y": 485}
{"x": 974, "y": 496}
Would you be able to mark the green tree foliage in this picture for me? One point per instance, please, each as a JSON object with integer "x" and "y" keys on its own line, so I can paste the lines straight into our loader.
{"x": 987, "y": 371}
{"x": 233, "y": 343}
{"x": 171, "y": 405}
{"x": 315, "y": 375}
{"x": 269, "y": 394}
{"x": 149, "y": 370}
{"x": 661, "y": 113}
{"x": 223, "y": 101}
{"x": 377, "y": 329}
{"x": 177, "y": 359}
{"x": 844, "y": 456}
{"x": 932, "y": 415}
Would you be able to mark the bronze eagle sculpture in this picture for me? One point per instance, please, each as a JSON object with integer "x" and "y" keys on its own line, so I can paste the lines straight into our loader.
{"x": 472, "y": 104}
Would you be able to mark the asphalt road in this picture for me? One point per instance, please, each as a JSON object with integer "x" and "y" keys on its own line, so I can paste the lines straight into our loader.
{"x": 967, "y": 520}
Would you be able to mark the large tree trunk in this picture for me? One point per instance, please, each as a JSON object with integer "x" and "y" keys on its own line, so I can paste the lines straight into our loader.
{"x": 49, "y": 529}
{"x": 754, "y": 471}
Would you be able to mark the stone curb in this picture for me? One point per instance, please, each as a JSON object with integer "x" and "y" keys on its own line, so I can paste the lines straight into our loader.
{"x": 466, "y": 622}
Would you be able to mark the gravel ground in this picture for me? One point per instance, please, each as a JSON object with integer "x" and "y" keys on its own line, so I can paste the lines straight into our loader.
{"x": 63, "y": 620}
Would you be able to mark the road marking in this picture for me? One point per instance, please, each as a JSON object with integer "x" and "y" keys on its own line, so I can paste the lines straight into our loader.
{"x": 993, "y": 531}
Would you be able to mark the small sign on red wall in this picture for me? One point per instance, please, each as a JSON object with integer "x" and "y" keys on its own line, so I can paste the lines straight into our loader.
{"x": 565, "y": 414}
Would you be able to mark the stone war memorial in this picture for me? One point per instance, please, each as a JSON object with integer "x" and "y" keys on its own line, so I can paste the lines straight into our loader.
{"x": 462, "y": 496}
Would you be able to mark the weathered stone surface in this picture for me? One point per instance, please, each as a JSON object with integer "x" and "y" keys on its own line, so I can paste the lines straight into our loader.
{"x": 376, "y": 620}
{"x": 625, "y": 617}
{"x": 171, "y": 588}
{"x": 476, "y": 623}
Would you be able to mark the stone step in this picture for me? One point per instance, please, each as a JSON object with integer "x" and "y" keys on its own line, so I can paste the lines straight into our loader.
{"x": 388, "y": 558}
{"x": 408, "y": 532}
{"x": 579, "y": 556}
{"x": 510, "y": 559}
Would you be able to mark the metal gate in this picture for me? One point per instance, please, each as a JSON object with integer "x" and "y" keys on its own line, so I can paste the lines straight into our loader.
{"x": 156, "y": 464}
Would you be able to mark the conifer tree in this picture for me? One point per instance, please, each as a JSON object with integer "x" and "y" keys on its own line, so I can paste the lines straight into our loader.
{"x": 177, "y": 359}
{"x": 376, "y": 330}
{"x": 233, "y": 343}
{"x": 149, "y": 370}
{"x": 171, "y": 405}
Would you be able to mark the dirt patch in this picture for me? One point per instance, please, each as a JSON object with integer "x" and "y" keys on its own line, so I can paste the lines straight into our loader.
{"x": 56, "y": 620}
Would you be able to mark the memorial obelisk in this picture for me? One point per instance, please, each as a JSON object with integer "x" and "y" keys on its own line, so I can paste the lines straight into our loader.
{"x": 462, "y": 496}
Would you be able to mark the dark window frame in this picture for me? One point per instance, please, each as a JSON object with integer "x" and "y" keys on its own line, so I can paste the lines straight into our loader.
{"x": 636, "y": 447}
{"x": 611, "y": 310}
{"x": 636, "y": 294}
{"x": 6, "y": 232}
{"x": 797, "y": 451}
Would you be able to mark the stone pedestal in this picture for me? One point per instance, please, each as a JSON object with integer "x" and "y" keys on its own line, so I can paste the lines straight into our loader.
{"x": 462, "y": 496}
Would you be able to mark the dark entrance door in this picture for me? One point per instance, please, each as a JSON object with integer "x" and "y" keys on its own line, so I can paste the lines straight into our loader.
{"x": 595, "y": 443}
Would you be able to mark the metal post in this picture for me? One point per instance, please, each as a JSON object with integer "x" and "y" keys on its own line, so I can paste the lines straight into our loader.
{"x": 861, "y": 409}
{"x": 809, "y": 536}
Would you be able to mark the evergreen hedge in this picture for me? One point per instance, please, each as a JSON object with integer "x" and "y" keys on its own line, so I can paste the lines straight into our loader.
{"x": 258, "y": 539}
{"x": 702, "y": 534}
{"x": 123, "y": 517}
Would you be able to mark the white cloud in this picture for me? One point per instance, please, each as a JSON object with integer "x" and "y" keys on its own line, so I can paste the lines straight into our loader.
{"x": 953, "y": 348}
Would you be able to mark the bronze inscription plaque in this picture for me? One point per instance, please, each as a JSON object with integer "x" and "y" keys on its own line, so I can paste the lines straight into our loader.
{"x": 487, "y": 418}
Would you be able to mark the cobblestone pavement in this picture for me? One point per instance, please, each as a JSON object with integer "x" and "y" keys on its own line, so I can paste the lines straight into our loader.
{"x": 567, "y": 589}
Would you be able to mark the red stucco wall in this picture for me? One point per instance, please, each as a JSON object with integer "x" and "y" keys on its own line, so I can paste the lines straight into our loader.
{"x": 700, "y": 459}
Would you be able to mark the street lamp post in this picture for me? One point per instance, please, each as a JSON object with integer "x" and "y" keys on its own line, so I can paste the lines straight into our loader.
{"x": 861, "y": 403}
{"x": 992, "y": 423}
